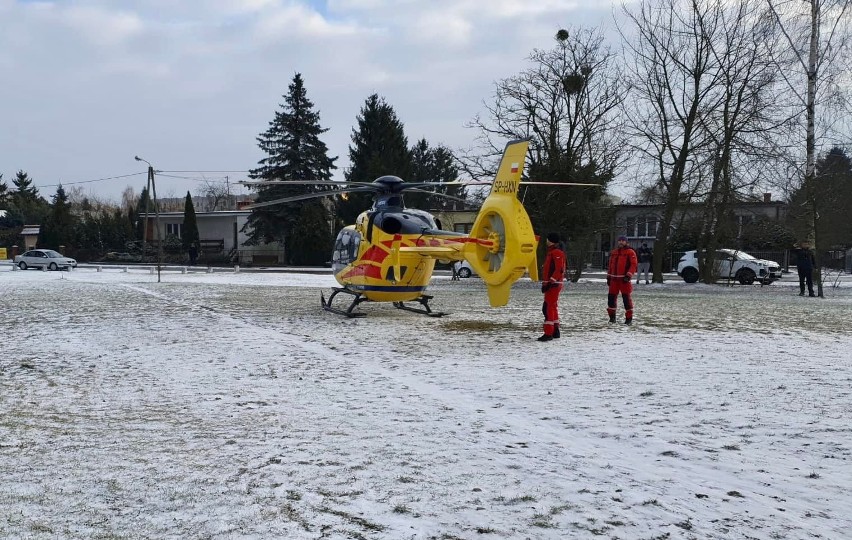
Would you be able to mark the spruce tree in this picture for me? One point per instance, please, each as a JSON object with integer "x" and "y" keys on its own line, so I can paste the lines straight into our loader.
{"x": 24, "y": 186}
{"x": 190, "y": 224}
{"x": 26, "y": 201}
{"x": 379, "y": 147}
{"x": 831, "y": 197}
{"x": 4, "y": 192}
{"x": 294, "y": 152}
{"x": 433, "y": 165}
{"x": 144, "y": 203}
{"x": 59, "y": 227}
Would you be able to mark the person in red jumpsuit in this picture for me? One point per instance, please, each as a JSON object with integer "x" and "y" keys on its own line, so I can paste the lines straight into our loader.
{"x": 622, "y": 266}
{"x": 552, "y": 274}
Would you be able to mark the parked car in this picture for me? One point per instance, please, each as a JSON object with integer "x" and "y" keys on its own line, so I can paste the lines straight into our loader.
{"x": 44, "y": 258}
{"x": 731, "y": 264}
{"x": 463, "y": 269}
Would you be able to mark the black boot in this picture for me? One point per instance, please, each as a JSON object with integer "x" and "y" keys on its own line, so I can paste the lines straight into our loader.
{"x": 612, "y": 318}
{"x": 545, "y": 337}
{"x": 556, "y": 334}
{"x": 628, "y": 322}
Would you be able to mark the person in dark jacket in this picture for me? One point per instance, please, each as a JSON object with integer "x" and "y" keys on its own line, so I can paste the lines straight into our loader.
{"x": 645, "y": 256}
{"x": 805, "y": 262}
{"x": 193, "y": 254}
{"x": 552, "y": 274}
{"x": 622, "y": 266}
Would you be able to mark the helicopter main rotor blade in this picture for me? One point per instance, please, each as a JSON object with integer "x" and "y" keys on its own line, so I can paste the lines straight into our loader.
{"x": 330, "y": 183}
{"x": 523, "y": 183}
{"x": 418, "y": 190}
{"x": 307, "y": 196}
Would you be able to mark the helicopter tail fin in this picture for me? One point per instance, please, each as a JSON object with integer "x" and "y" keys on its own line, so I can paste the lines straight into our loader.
{"x": 505, "y": 246}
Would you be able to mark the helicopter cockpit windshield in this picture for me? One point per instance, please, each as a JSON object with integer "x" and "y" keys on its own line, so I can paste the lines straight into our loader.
{"x": 388, "y": 201}
{"x": 345, "y": 249}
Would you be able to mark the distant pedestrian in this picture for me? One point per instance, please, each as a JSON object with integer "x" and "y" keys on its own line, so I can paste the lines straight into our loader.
{"x": 805, "y": 262}
{"x": 645, "y": 255}
{"x": 552, "y": 274}
{"x": 193, "y": 254}
{"x": 622, "y": 266}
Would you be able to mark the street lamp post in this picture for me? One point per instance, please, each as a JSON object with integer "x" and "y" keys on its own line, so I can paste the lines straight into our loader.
{"x": 152, "y": 185}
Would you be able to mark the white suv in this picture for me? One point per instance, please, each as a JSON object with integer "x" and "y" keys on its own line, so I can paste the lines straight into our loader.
{"x": 731, "y": 264}
{"x": 463, "y": 269}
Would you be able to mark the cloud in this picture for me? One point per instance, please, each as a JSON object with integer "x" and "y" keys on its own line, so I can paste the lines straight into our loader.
{"x": 189, "y": 85}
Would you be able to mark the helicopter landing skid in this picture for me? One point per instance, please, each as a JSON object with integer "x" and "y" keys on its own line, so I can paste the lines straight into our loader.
{"x": 423, "y": 301}
{"x": 326, "y": 305}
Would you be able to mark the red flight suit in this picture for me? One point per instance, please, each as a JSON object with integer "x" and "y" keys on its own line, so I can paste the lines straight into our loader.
{"x": 552, "y": 274}
{"x": 622, "y": 266}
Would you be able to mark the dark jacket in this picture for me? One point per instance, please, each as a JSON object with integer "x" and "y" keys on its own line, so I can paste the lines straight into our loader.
{"x": 805, "y": 259}
{"x": 645, "y": 254}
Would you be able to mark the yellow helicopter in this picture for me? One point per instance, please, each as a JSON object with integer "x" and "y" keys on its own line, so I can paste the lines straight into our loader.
{"x": 389, "y": 254}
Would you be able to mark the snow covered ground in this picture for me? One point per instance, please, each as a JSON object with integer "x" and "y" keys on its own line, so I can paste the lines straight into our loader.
{"x": 231, "y": 406}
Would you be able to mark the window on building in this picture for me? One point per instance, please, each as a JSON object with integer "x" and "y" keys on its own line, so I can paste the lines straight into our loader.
{"x": 463, "y": 228}
{"x": 646, "y": 227}
{"x": 175, "y": 229}
{"x": 744, "y": 222}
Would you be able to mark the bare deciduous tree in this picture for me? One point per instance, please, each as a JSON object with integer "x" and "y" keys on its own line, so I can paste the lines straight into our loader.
{"x": 742, "y": 122}
{"x": 819, "y": 58}
{"x": 675, "y": 77}
{"x": 216, "y": 195}
{"x": 569, "y": 104}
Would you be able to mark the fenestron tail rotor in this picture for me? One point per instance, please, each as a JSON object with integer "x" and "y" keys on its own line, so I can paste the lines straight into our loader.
{"x": 496, "y": 231}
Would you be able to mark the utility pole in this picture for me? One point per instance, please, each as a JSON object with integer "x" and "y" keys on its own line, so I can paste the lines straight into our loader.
{"x": 152, "y": 185}
{"x": 228, "y": 190}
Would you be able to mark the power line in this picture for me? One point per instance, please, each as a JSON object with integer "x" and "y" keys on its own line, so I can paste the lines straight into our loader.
{"x": 90, "y": 181}
{"x": 204, "y": 172}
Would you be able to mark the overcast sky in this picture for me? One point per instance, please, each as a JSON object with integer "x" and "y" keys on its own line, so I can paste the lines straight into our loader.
{"x": 188, "y": 85}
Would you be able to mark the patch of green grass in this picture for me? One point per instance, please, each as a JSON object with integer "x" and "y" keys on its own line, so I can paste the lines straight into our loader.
{"x": 522, "y": 498}
{"x": 685, "y": 525}
{"x": 366, "y": 524}
{"x": 478, "y": 326}
{"x": 543, "y": 521}
{"x": 556, "y": 510}
{"x": 41, "y": 528}
{"x": 293, "y": 515}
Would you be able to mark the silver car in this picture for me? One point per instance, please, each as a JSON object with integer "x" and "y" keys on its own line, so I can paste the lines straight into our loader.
{"x": 44, "y": 258}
